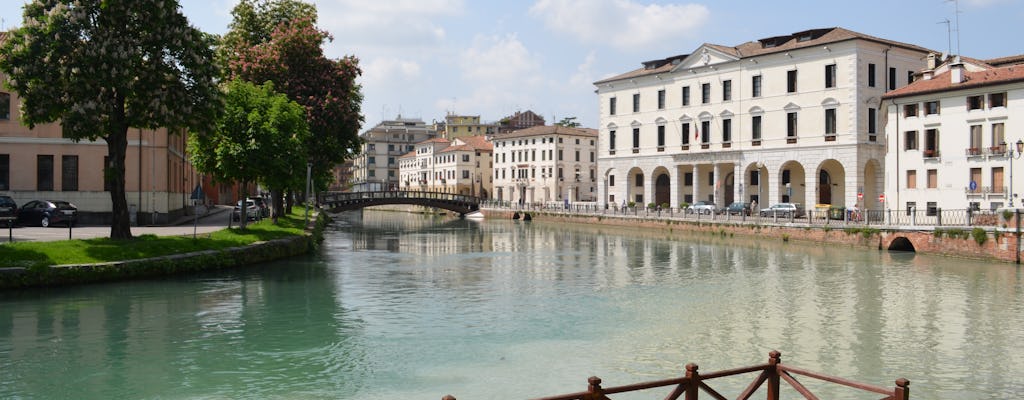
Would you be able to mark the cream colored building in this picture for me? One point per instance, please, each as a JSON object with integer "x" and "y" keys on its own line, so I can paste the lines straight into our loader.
{"x": 545, "y": 164}
{"x": 787, "y": 118}
{"x": 954, "y": 137}
{"x": 461, "y": 166}
{"x": 376, "y": 167}
{"x": 466, "y": 125}
{"x": 40, "y": 164}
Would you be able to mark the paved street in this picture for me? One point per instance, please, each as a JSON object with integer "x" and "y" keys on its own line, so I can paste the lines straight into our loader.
{"x": 216, "y": 220}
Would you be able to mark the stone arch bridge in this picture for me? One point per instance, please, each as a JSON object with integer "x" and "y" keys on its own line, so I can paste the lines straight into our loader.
{"x": 346, "y": 201}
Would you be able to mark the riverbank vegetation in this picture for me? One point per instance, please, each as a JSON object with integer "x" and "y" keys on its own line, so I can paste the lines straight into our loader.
{"x": 99, "y": 250}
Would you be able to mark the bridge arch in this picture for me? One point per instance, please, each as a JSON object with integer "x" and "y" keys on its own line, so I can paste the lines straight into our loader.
{"x": 901, "y": 243}
{"x": 347, "y": 201}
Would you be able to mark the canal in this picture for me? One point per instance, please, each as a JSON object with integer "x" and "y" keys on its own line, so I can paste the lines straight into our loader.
{"x": 399, "y": 306}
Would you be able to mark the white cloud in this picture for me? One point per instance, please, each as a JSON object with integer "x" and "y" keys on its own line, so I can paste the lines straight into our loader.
{"x": 500, "y": 58}
{"x": 389, "y": 23}
{"x": 624, "y": 24}
{"x": 584, "y": 75}
{"x": 387, "y": 69}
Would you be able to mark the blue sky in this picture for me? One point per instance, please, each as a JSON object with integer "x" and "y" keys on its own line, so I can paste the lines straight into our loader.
{"x": 424, "y": 58}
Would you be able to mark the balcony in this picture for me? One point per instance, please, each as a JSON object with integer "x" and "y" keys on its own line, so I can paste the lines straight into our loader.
{"x": 997, "y": 150}
{"x": 972, "y": 152}
{"x": 930, "y": 153}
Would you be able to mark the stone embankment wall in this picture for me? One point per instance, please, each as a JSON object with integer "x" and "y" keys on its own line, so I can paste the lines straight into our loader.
{"x": 989, "y": 244}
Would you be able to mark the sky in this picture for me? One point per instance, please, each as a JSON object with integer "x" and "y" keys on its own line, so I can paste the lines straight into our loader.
{"x": 427, "y": 58}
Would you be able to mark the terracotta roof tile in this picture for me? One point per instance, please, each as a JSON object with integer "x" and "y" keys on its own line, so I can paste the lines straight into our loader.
{"x": 548, "y": 130}
{"x": 943, "y": 81}
{"x": 1008, "y": 60}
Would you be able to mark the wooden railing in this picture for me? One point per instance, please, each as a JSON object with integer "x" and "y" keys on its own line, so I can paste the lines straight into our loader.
{"x": 690, "y": 386}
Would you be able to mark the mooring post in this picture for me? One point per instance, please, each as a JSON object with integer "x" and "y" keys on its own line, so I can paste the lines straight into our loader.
{"x": 693, "y": 387}
{"x": 774, "y": 359}
{"x": 448, "y": 397}
{"x": 594, "y": 391}
{"x": 902, "y": 391}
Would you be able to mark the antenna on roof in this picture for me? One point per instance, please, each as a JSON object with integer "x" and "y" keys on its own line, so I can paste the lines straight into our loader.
{"x": 956, "y": 19}
{"x": 949, "y": 36}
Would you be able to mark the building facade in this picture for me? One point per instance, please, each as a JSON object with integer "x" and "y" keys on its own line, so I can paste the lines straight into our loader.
{"x": 792, "y": 118}
{"x": 461, "y": 166}
{"x": 953, "y": 137}
{"x": 41, "y": 164}
{"x": 466, "y": 125}
{"x": 376, "y": 167}
{"x": 520, "y": 120}
{"x": 545, "y": 164}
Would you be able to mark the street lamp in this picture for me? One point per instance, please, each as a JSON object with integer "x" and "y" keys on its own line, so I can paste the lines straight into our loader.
{"x": 1011, "y": 154}
{"x": 309, "y": 167}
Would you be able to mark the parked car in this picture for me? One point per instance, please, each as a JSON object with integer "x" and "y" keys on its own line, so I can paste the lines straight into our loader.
{"x": 8, "y": 210}
{"x": 785, "y": 210}
{"x": 261, "y": 203}
{"x": 47, "y": 212}
{"x": 252, "y": 211}
{"x": 738, "y": 208}
{"x": 701, "y": 207}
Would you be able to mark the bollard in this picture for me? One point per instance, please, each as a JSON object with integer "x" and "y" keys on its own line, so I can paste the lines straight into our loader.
{"x": 774, "y": 359}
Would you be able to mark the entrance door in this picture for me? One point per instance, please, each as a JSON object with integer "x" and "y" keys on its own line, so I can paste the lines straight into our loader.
{"x": 729, "y": 188}
{"x": 824, "y": 188}
{"x": 661, "y": 190}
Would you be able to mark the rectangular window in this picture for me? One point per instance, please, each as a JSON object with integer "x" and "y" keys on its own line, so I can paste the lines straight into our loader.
{"x": 5, "y": 106}
{"x": 830, "y": 76}
{"x": 755, "y": 84}
{"x": 910, "y": 140}
{"x": 611, "y": 140}
{"x": 577, "y": 156}
{"x": 892, "y": 78}
{"x": 933, "y": 178}
{"x": 465, "y": 174}
{"x": 931, "y": 143}
{"x": 791, "y": 81}
{"x": 791, "y": 124}
{"x": 931, "y": 107}
{"x": 686, "y": 95}
{"x": 830, "y": 121}
{"x": 638, "y": 180}
{"x": 636, "y": 102}
{"x": 997, "y": 180}
{"x": 705, "y": 134}
{"x": 661, "y": 136}
{"x": 371, "y": 160}
{"x": 705, "y": 93}
{"x": 636, "y": 139}
{"x": 726, "y": 131}
{"x": 611, "y": 106}
{"x": 974, "y": 137}
{"x": 975, "y": 102}
{"x": 871, "y": 75}
{"x": 611, "y": 180}
{"x": 559, "y": 154}
{"x": 910, "y": 110}
{"x": 661, "y": 99}
{"x": 911, "y": 206}
{"x": 686, "y": 134}
{"x": 997, "y": 100}
{"x": 998, "y": 137}
{"x": 911, "y": 179}
{"x": 755, "y": 178}
{"x": 872, "y": 120}
{"x": 910, "y": 77}
{"x": 785, "y": 176}
{"x": 69, "y": 173}
{"x": 5, "y": 172}
{"x": 976, "y": 178}
{"x": 727, "y": 90}
{"x": 688, "y": 179}
{"x": 44, "y": 173}
{"x": 755, "y": 127}
{"x": 932, "y": 209}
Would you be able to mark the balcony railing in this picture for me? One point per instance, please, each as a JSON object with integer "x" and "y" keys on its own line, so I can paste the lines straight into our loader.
{"x": 997, "y": 150}
{"x": 972, "y": 151}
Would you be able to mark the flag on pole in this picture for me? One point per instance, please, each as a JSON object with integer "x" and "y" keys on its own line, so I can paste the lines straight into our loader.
{"x": 696, "y": 132}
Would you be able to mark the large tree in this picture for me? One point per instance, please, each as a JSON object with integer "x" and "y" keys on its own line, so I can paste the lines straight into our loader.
{"x": 100, "y": 67}
{"x": 293, "y": 59}
{"x": 259, "y": 138}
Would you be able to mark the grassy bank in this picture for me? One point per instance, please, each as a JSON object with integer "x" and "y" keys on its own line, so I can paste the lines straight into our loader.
{"x": 100, "y": 250}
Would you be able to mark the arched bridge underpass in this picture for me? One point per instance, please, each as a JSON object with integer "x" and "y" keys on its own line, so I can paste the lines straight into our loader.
{"x": 346, "y": 201}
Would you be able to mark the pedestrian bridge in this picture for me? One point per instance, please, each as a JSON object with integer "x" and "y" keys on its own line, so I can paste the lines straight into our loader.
{"x": 346, "y": 201}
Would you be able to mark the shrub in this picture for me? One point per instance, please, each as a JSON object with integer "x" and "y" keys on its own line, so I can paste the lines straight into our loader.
{"x": 979, "y": 235}
{"x": 651, "y": 206}
{"x": 684, "y": 205}
{"x": 631, "y": 204}
{"x": 664, "y": 206}
{"x": 1007, "y": 214}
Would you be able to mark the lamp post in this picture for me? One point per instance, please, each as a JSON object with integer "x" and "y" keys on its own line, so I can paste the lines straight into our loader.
{"x": 1011, "y": 154}
{"x": 309, "y": 167}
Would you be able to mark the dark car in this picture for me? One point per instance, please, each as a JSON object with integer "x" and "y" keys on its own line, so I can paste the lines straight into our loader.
{"x": 8, "y": 210}
{"x": 45, "y": 213}
{"x": 738, "y": 208}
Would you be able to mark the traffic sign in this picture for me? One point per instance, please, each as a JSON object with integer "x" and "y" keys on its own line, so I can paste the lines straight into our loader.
{"x": 860, "y": 196}
{"x": 197, "y": 193}
{"x": 881, "y": 198}
{"x": 973, "y": 186}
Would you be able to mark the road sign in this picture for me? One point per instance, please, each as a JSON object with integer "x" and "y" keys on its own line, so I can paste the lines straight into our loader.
{"x": 881, "y": 198}
{"x": 197, "y": 193}
{"x": 860, "y": 196}
{"x": 973, "y": 186}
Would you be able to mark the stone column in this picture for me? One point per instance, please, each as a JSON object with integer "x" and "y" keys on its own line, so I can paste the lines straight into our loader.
{"x": 739, "y": 183}
{"x": 696, "y": 182}
{"x": 716, "y": 185}
{"x": 648, "y": 188}
{"x": 675, "y": 185}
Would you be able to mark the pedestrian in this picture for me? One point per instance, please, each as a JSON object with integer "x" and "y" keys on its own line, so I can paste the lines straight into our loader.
{"x": 753, "y": 206}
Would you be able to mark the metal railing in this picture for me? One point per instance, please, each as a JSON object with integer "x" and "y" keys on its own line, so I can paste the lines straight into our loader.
{"x": 888, "y": 218}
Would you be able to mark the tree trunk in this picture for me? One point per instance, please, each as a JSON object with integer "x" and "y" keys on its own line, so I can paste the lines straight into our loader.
{"x": 243, "y": 209}
{"x": 117, "y": 146}
{"x": 277, "y": 202}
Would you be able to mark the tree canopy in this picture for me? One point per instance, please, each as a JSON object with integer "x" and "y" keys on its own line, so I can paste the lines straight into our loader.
{"x": 259, "y": 138}
{"x": 568, "y": 122}
{"x": 293, "y": 59}
{"x": 103, "y": 66}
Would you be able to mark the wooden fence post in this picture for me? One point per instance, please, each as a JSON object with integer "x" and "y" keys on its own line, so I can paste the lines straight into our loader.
{"x": 902, "y": 391}
{"x": 448, "y": 397}
{"x": 693, "y": 387}
{"x": 774, "y": 359}
{"x": 594, "y": 391}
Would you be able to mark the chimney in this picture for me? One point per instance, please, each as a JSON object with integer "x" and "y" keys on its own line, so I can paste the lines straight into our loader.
{"x": 956, "y": 73}
{"x": 931, "y": 61}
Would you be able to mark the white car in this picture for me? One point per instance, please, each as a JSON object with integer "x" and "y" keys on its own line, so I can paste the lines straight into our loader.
{"x": 701, "y": 207}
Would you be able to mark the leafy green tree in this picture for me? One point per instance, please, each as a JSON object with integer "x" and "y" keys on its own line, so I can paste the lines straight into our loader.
{"x": 100, "y": 67}
{"x": 259, "y": 138}
{"x": 293, "y": 59}
{"x": 568, "y": 122}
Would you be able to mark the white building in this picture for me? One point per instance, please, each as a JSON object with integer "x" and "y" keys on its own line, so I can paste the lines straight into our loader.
{"x": 461, "y": 166}
{"x": 544, "y": 164}
{"x": 376, "y": 166}
{"x": 787, "y": 118}
{"x": 950, "y": 135}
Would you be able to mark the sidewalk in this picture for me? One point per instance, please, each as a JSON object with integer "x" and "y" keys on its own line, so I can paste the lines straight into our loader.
{"x": 215, "y": 210}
